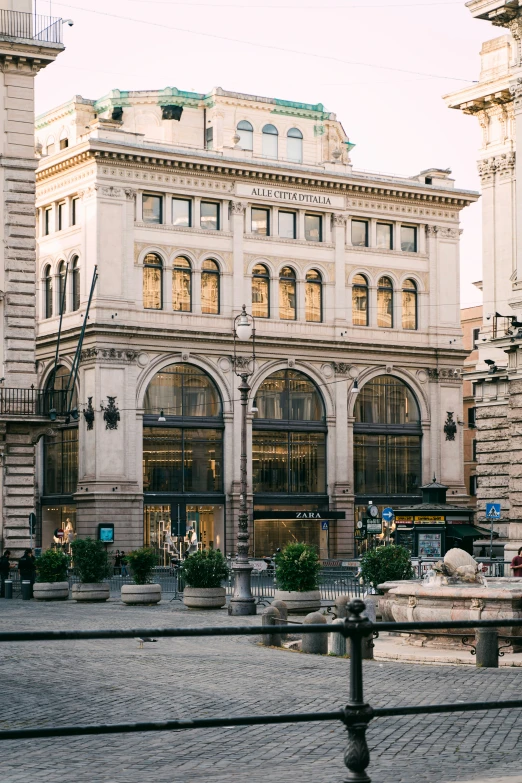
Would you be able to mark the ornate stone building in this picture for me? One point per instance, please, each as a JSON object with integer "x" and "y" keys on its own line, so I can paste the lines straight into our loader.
{"x": 28, "y": 43}
{"x": 188, "y": 206}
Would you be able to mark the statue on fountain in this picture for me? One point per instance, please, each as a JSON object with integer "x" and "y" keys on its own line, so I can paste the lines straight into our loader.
{"x": 458, "y": 567}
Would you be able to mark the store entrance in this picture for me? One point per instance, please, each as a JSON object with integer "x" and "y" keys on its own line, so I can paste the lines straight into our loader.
{"x": 175, "y": 530}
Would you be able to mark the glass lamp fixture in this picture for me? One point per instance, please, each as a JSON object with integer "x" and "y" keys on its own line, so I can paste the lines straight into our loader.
{"x": 244, "y": 326}
{"x": 355, "y": 388}
{"x": 161, "y": 417}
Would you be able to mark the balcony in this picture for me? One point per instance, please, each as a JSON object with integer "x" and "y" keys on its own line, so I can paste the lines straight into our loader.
{"x": 30, "y": 27}
{"x": 32, "y": 402}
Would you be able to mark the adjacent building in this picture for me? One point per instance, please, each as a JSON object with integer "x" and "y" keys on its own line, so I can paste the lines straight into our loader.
{"x": 471, "y": 320}
{"x": 187, "y": 206}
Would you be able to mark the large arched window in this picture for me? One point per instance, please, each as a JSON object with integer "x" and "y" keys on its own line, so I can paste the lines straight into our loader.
{"x": 387, "y": 439}
{"x": 287, "y": 294}
{"x": 76, "y": 283}
{"x": 360, "y": 310}
{"x": 245, "y": 132}
{"x": 152, "y": 282}
{"x": 260, "y": 291}
{"x": 270, "y": 141}
{"x": 210, "y": 287}
{"x": 182, "y": 285}
{"x": 409, "y": 305}
{"x": 385, "y": 303}
{"x": 314, "y": 296}
{"x": 182, "y": 433}
{"x": 62, "y": 304}
{"x": 48, "y": 292}
{"x": 294, "y": 145}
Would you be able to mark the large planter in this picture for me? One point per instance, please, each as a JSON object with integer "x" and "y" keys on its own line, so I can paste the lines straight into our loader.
{"x": 146, "y": 595}
{"x": 300, "y": 603}
{"x": 204, "y": 597}
{"x": 51, "y": 591}
{"x": 91, "y": 591}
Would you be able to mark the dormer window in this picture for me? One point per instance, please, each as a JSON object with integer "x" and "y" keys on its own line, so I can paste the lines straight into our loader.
{"x": 245, "y": 132}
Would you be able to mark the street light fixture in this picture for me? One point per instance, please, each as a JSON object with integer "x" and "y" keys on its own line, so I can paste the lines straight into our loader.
{"x": 242, "y": 601}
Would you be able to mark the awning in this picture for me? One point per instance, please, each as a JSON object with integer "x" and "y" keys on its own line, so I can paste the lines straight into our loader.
{"x": 468, "y": 531}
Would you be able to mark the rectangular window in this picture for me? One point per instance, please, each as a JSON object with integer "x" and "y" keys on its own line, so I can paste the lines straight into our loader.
{"x": 74, "y": 212}
{"x": 61, "y": 463}
{"x": 182, "y": 460}
{"x": 210, "y": 215}
{"x": 261, "y": 222}
{"x": 385, "y": 236}
{"x": 181, "y": 212}
{"x": 472, "y": 417}
{"x": 408, "y": 239}
{"x": 474, "y": 450}
{"x": 47, "y": 221}
{"x": 61, "y": 216}
{"x": 313, "y": 228}
{"x": 209, "y": 138}
{"x": 289, "y": 462}
{"x": 387, "y": 464}
{"x": 360, "y": 233}
{"x": 152, "y": 209}
{"x": 476, "y": 337}
{"x": 287, "y": 224}
{"x": 473, "y": 484}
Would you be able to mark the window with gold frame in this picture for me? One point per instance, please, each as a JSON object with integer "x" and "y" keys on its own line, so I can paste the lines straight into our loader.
{"x": 260, "y": 291}
{"x": 287, "y": 295}
{"x": 182, "y": 285}
{"x": 152, "y": 282}
{"x": 210, "y": 287}
{"x": 314, "y": 296}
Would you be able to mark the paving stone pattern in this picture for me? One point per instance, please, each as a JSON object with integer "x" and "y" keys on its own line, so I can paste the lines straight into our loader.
{"x": 75, "y": 682}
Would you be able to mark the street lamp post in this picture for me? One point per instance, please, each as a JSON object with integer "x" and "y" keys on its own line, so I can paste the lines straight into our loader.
{"x": 242, "y": 601}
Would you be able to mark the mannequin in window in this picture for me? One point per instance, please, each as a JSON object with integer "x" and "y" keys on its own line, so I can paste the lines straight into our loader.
{"x": 192, "y": 541}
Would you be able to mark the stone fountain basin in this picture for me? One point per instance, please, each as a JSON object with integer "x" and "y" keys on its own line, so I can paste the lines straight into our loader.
{"x": 411, "y": 601}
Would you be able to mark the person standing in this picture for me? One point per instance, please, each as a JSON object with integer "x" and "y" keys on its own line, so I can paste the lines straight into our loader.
{"x": 4, "y": 570}
{"x": 516, "y": 564}
{"x": 124, "y": 571}
{"x": 27, "y": 567}
{"x": 117, "y": 563}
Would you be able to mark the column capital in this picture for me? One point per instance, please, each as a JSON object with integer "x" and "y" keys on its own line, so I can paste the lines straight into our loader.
{"x": 515, "y": 88}
{"x": 238, "y": 207}
{"x": 339, "y": 221}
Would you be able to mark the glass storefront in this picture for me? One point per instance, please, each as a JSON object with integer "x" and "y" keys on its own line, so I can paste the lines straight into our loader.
{"x": 182, "y": 460}
{"x": 289, "y": 461}
{"x": 58, "y": 526}
{"x": 173, "y": 529}
{"x": 61, "y": 462}
{"x": 273, "y": 534}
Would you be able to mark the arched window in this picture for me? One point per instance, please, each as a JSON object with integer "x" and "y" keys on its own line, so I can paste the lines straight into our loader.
{"x": 270, "y": 141}
{"x": 76, "y": 283}
{"x": 245, "y": 132}
{"x": 385, "y": 303}
{"x": 152, "y": 282}
{"x": 48, "y": 292}
{"x": 182, "y": 390}
{"x": 64, "y": 140}
{"x": 62, "y": 302}
{"x": 314, "y": 296}
{"x": 409, "y": 305}
{"x": 387, "y": 438}
{"x": 287, "y": 294}
{"x": 289, "y": 395}
{"x": 360, "y": 312}
{"x": 260, "y": 292}
{"x": 182, "y": 285}
{"x": 50, "y": 146}
{"x": 58, "y": 382}
{"x": 210, "y": 287}
{"x": 294, "y": 145}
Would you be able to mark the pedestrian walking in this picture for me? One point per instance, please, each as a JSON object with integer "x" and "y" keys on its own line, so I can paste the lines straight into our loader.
{"x": 117, "y": 563}
{"x": 5, "y": 565}
{"x": 124, "y": 571}
{"x": 27, "y": 567}
{"x": 516, "y": 564}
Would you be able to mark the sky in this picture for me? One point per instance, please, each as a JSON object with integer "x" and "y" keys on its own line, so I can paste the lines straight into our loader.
{"x": 381, "y": 65}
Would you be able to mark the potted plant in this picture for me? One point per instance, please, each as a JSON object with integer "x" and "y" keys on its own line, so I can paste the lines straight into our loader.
{"x": 141, "y": 563}
{"x": 204, "y": 573}
{"x": 381, "y": 568}
{"x": 91, "y": 565}
{"x": 51, "y": 576}
{"x": 297, "y": 578}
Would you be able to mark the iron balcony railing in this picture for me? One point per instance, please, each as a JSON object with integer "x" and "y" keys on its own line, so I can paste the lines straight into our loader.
{"x": 30, "y": 27}
{"x": 32, "y": 402}
{"x": 356, "y": 715}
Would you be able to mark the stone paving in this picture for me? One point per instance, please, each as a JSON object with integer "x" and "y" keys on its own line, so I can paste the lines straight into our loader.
{"x": 75, "y": 682}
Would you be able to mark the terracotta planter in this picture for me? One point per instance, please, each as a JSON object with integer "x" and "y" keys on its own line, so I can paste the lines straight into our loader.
{"x": 204, "y": 597}
{"x": 300, "y": 603}
{"x": 51, "y": 591}
{"x": 146, "y": 595}
{"x": 91, "y": 591}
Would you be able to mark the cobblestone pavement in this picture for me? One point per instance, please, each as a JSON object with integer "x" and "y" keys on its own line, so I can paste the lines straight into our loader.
{"x": 75, "y": 682}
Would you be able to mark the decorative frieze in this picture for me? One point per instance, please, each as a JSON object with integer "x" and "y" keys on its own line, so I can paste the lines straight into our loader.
{"x": 445, "y": 374}
{"x": 341, "y": 368}
{"x": 126, "y": 355}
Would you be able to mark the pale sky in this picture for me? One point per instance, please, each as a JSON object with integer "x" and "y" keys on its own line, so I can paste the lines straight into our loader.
{"x": 308, "y": 51}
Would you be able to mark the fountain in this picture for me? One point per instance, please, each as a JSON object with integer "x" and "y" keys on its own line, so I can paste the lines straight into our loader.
{"x": 455, "y": 589}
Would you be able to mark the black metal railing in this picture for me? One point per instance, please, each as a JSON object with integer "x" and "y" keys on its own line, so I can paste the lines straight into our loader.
{"x": 356, "y": 715}
{"x": 32, "y": 402}
{"x": 30, "y": 27}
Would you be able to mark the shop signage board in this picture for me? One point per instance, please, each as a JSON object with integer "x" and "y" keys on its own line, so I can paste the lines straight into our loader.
{"x": 326, "y": 515}
{"x": 360, "y": 529}
{"x": 429, "y": 520}
{"x": 374, "y": 526}
{"x": 404, "y": 520}
{"x": 284, "y": 195}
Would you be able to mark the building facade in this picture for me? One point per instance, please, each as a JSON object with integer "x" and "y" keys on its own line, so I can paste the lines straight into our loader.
{"x": 188, "y": 206}
{"x": 28, "y": 43}
{"x": 471, "y": 320}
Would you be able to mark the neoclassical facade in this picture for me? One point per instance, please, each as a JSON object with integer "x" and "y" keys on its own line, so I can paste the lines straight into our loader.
{"x": 169, "y": 210}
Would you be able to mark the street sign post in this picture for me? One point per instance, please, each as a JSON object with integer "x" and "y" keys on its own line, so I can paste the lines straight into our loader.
{"x": 492, "y": 513}
{"x": 374, "y": 526}
{"x": 388, "y": 517}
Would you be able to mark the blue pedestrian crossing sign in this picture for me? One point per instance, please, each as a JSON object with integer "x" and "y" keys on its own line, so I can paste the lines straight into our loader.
{"x": 388, "y": 514}
{"x": 492, "y": 510}
{"x": 325, "y": 524}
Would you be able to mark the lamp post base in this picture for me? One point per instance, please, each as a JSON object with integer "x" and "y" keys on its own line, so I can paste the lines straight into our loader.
{"x": 242, "y": 601}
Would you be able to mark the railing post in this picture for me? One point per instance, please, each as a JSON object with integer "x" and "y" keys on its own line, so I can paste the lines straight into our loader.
{"x": 357, "y": 714}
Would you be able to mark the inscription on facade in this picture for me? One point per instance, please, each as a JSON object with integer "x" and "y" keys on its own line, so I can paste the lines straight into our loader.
{"x": 295, "y": 197}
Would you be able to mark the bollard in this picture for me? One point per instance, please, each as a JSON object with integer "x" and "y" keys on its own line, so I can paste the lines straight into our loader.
{"x": 486, "y": 645}
{"x": 270, "y": 617}
{"x": 283, "y": 612}
{"x": 8, "y": 588}
{"x": 340, "y": 606}
{"x": 316, "y": 643}
{"x": 336, "y": 641}
{"x": 27, "y": 590}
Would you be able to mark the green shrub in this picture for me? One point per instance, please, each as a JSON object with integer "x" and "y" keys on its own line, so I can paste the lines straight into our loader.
{"x": 90, "y": 560}
{"x": 142, "y": 562}
{"x": 52, "y": 566}
{"x": 297, "y": 568}
{"x": 207, "y": 568}
{"x": 386, "y": 564}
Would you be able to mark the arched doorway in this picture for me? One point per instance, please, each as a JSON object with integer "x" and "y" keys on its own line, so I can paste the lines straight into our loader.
{"x": 183, "y": 428}
{"x": 289, "y": 464}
